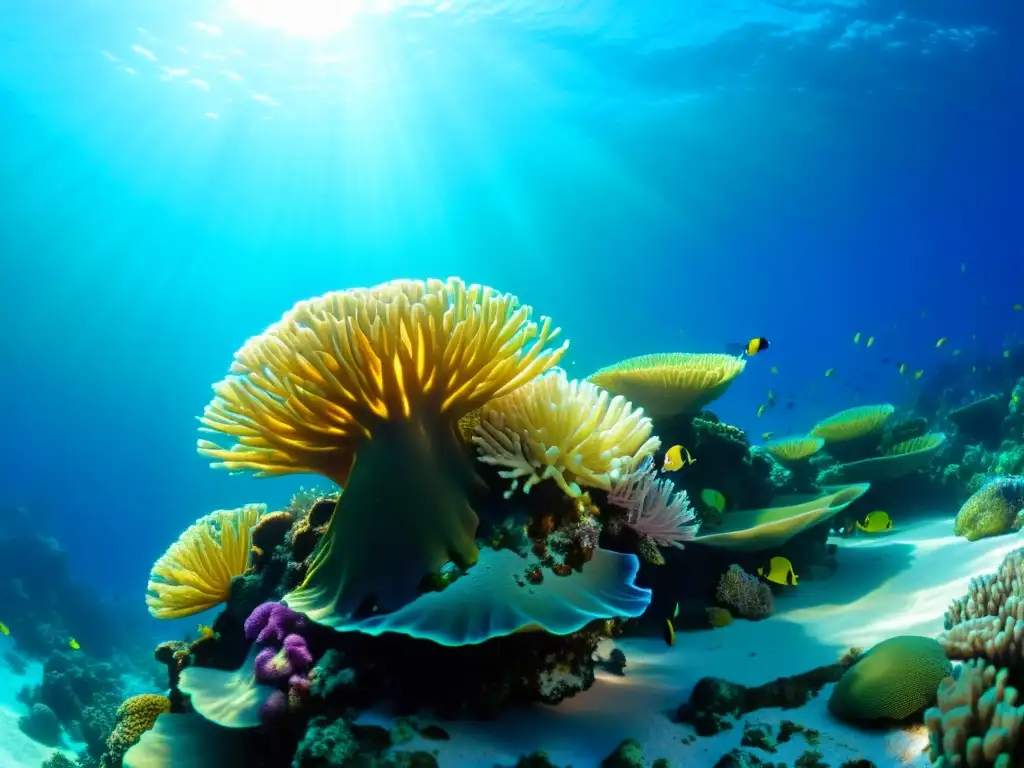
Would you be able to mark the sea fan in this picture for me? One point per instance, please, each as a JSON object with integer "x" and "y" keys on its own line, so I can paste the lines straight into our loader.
{"x": 654, "y": 508}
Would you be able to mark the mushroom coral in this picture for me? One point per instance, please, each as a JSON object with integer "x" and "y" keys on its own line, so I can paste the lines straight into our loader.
{"x": 853, "y": 423}
{"x": 573, "y": 432}
{"x": 671, "y": 383}
{"x": 367, "y": 387}
{"x": 195, "y": 573}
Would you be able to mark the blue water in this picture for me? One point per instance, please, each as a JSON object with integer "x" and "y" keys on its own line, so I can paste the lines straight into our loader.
{"x": 655, "y": 176}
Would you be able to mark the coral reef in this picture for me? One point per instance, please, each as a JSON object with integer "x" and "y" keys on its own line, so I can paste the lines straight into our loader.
{"x": 41, "y": 724}
{"x": 133, "y": 718}
{"x": 995, "y": 509}
{"x": 745, "y": 595}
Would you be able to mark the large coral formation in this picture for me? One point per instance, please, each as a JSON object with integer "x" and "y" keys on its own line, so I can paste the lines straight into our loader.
{"x": 744, "y": 594}
{"x": 892, "y": 681}
{"x": 995, "y": 509}
{"x": 793, "y": 449}
{"x": 195, "y": 573}
{"x": 853, "y": 423}
{"x": 570, "y": 431}
{"x": 654, "y": 508}
{"x": 133, "y": 718}
{"x": 896, "y": 461}
{"x": 671, "y": 383}
{"x": 977, "y": 721}
{"x": 382, "y": 374}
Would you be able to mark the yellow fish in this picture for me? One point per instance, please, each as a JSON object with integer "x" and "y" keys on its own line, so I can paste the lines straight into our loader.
{"x": 779, "y": 571}
{"x": 713, "y": 499}
{"x": 669, "y": 633}
{"x": 771, "y": 398}
{"x": 4, "y": 630}
{"x": 673, "y": 459}
{"x": 767, "y": 435}
{"x": 206, "y": 633}
{"x": 903, "y": 368}
{"x": 940, "y": 342}
{"x": 829, "y": 372}
{"x": 73, "y": 644}
{"x": 876, "y": 522}
{"x": 760, "y": 410}
{"x": 856, "y": 338}
{"x": 871, "y": 340}
{"x": 775, "y": 369}
{"x": 918, "y": 374}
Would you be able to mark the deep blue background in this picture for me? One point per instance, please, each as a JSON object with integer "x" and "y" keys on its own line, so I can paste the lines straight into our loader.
{"x": 655, "y": 180}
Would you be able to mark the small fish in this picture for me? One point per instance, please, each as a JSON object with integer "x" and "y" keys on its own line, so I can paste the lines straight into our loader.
{"x": 918, "y": 374}
{"x": 903, "y": 368}
{"x": 829, "y": 372}
{"x": 767, "y": 435}
{"x": 4, "y": 630}
{"x": 876, "y": 522}
{"x": 761, "y": 409}
{"x": 1018, "y": 307}
{"x": 669, "y": 633}
{"x": 963, "y": 267}
{"x": 1006, "y": 353}
{"x": 779, "y": 571}
{"x": 790, "y": 405}
{"x": 673, "y": 459}
{"x": 924, "y": 313}
{"x": 207, "y": 633}
{"x": 73, "y": 644}
{"x": 675, "y": 612}
{"x": 713, "y": 499}
{"x": 856, "y": 338}
{"x": 974, "y": 369}
{"x": 871, "y": 341}
{"x": 257, "y": 551}
{"x": 940, "y": 342}
{"x": 751, "y": 348}
{"x": 774, "y": 369}
{"x": 956, "y": 353}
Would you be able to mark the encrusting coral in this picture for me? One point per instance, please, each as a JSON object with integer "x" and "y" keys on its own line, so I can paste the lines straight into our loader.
{"x": 977, "y": 721}
{"x": 195, "y": 573}
{"x": 995, "y": 509}
{"x": 382, "y": 374}
{"x": 570, "y": 431}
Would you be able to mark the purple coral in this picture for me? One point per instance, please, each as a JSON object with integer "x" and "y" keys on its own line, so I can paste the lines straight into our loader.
{"x": 271, "y": 622}
{"x": 654, "y": 508}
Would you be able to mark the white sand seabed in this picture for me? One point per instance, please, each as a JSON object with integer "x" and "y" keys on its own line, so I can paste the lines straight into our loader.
{"x": 898, "y": 583}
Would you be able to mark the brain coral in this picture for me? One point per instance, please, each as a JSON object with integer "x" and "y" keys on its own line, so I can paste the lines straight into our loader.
{"x": 976, "y": 722}
{"x": 892, "y": 681}
{"x": 995, "y": 509}
{"x": 366, "y": 387}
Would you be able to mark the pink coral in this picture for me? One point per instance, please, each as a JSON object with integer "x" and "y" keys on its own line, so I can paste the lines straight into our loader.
{"x": 654, "y": 508}
{"x": 747, "y": 596}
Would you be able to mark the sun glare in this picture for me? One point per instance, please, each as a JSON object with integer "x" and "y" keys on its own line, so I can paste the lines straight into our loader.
{"x": 307, "y": 18}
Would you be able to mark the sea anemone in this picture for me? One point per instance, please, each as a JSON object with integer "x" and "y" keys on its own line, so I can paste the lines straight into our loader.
{"x": 366, "y": 387}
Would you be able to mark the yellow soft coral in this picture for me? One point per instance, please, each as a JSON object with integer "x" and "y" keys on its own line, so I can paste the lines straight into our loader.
{"x": 195, "y": 573}
{"x": 366, "y": 387}
{"x": 570, "y": 431}
{"x": 134, "y": 717}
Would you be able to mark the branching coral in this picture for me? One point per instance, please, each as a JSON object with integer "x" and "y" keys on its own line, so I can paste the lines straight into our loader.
{"x": 988, "y": 622}
{"x": 382, "y": 374}
{"x": 654, "y": 508}
{"x": 196, "y": 571}
{"x": 745, "y": 595}
{"x": 570, "y": 431}
{"x": 976, "y": 721}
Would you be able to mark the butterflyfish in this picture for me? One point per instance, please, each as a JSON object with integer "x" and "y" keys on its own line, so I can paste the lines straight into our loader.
{"x": 751, "y": 348}
{"x": 713, "y": 499}
{"x": 876, "y": 522}
{"x": 73, "y": 644}
{"x": 4, "y": 630}
{"x": 779, "y": 571}
{"x": 673, "y": 459}
{"x": 871, "y": 340}
{"x": 669, "y": 633}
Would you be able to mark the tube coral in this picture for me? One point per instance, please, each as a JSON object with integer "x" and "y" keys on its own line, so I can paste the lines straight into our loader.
{"x": 382, "y": 374}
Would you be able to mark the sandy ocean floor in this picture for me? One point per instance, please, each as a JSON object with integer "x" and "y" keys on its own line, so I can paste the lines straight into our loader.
{"x": 898, "y": 583}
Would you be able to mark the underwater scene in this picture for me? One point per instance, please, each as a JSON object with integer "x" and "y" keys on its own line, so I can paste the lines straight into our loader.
{"x": 512, "y": 384}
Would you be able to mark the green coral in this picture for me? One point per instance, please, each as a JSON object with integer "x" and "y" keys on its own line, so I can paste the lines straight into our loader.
{"x": 892, "y": 681}
{"x": 993, "y": 510}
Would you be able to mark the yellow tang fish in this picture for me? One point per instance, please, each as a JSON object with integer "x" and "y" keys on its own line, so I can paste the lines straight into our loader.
{"x": 4, "y": 630}
{"x": 779, "y": 571}
{"x": 713, "y": 499}
{"x": 876, "y": 522}
{"x": 856, "y": 338}
{"x": 918, "y": 374}
{"x": 940, "y": 342}
{"x": 673, "y": 459}
{"x": 871, "y": 340}
{"x": 760, "y": 410}
{"x": 73, "y": 644}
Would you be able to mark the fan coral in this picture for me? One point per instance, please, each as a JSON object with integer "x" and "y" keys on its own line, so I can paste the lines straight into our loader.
{"x": 745, "y": 594}
{"x": 570, "y": 431}
{"x": 654, "y": 508}
{"x": 976, "y": 722}
{"x": 995, "y": 509}
{"x": 668, "y": 384}
{"x": 134, "y": 717}
{"x": 195, "y": 573}
{"x": 382, "y": 374}
{"x": 988, "y": 622}
{"x": 853, "y": 423}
